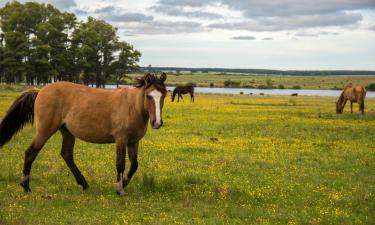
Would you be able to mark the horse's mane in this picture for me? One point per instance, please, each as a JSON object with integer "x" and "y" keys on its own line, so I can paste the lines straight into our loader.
{"x": 150, "y": 79}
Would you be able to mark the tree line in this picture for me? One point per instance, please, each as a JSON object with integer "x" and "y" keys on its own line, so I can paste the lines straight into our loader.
{"x": 268, "y": 71}
{"x": 40, "y": 44}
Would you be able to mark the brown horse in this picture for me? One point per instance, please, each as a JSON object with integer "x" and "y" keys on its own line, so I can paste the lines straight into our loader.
{"x": 353, "y": 94}
{"x": 93, "y": 115}
{"x": 180, "y": 90}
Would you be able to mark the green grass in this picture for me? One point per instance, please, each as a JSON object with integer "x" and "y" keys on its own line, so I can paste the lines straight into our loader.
{"x": 225, "y": 159}
{"x": 304, "y": 82}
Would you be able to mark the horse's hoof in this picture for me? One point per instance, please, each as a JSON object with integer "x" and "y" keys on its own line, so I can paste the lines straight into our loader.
{"x": 25, "y": 187}
{"x": 120, "y": 193}
{"x": 85, "y": 187}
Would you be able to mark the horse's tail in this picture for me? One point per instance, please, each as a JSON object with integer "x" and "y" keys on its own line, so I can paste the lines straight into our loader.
{"x": 20, "y": 113}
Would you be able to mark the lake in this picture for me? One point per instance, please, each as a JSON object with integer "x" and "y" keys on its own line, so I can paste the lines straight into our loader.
{"x": 306, "y": 92}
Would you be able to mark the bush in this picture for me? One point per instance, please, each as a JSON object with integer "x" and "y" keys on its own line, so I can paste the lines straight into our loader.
{"x": 212, "y": 85}
{"x": 248, "y": 86}
{"x": 296, "y": 87}
{"x": 281, "y": 86}
{"x": 262, "y": 86}
{"x": 191, "y": 84}
{"x": 371, "y": 87}
{"x": 229, "y": 83}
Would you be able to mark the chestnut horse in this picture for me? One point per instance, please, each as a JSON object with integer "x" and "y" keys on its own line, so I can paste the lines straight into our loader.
{"x": 353, "y": 94}
{"x": 180, "y": 90}
{"x": 93, "y": 115}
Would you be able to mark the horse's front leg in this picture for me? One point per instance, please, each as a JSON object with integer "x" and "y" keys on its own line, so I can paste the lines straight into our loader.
{"x": 351, "y": 107}
{"x": 120, "y": 166}
{"x": 133, "y": 157}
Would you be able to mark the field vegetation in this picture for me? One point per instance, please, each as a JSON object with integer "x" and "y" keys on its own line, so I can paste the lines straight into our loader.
{"x": 267, "y": 81}
{"x": 225, "y": 159}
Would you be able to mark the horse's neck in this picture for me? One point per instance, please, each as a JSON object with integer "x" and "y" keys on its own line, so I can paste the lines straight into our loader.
{"x": 342, "y": 99}
{"x": 137, "y": 103}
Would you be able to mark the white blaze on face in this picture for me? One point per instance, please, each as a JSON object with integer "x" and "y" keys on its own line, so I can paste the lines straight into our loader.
{"x": 156, "y": 95}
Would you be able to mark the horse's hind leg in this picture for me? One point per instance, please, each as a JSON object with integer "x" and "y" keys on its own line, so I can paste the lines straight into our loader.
{"x": 67, "y": 154}
{"x": 362, "y": 107}
{"x": 133, "y": 156}
{"x": 351, "y": 107}
{"x": 30, "y": 155}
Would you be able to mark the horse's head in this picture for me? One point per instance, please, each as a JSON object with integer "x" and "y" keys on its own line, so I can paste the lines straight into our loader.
{"x": 339, "y": 108}
{"x": 155, "y": 92}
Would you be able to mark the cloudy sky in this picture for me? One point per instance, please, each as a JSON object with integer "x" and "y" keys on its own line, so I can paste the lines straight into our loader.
{"x": 283, "y": 34}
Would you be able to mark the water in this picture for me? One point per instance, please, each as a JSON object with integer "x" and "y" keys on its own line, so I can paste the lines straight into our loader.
{"x": 306, "y": 92}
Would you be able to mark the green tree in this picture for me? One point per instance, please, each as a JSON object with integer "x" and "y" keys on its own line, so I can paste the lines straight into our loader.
{"x": 98, "y": 41}
{"x": 127, "y": 62}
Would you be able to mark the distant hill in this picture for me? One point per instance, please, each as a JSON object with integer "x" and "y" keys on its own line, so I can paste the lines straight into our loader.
{"x": 265, "y": 71}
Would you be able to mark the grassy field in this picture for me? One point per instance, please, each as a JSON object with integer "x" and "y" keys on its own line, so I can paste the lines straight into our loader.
{"x": 304, "y": 82}
{"x": 225, "y": 159}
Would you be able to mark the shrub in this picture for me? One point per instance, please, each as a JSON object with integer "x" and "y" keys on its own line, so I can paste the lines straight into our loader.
{"x": 192, "y": 84}
{"x": 371, "y": 87}
{"x": 229, "y": 83}
{"x": 296, "y": 87}
{"x": 248, "y": 86}
{"x": 212, "y": 85}
{"x": 281, "y": 86}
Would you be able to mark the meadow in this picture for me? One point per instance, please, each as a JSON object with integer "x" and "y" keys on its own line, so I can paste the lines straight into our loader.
{"x": 251, "y": 80}
{"x": 225, "y": 159}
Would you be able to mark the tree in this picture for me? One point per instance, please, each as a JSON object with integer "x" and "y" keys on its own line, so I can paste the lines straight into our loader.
{"x": 39, "y": 44}
{"x": 98, "y": 41}
{"x": 127, "y": 62}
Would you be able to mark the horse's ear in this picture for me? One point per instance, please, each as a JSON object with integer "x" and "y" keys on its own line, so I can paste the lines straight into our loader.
{"x": 147, "y": 79}
{"x": 163, "y": 77}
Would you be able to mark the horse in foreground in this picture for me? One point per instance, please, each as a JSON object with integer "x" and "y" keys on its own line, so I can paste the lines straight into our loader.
{"x": 353, "y": 94}
{"x": 93, "y": 115}
{"x": 180, "y": 90}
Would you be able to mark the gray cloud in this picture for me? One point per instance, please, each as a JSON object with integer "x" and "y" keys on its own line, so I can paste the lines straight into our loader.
{"x": 179, "y": 11}
{"x": 244, "y": 38}
{"x": 60, "y": 4}
{"x": 372, "y": 28}
{"x": 292, "y": 22}
{"x": 267, "y": 39}
{"x": 260, "y": 15}
{"x": 162, "y": 27}
{"x": 110, "y": 13}
{"x": 260, "y": 8}
{"x": 314, "y": 33}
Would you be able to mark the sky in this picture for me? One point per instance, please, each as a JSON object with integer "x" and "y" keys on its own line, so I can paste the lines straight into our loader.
{"x": 282, "y": 34}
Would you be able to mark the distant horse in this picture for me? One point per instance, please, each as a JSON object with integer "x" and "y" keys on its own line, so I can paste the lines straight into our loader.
{"x": 93, "y": 115}
{"x": 180, "y": 90}
{"x": 294, "y": 94}
{"x": 353, "y": 94}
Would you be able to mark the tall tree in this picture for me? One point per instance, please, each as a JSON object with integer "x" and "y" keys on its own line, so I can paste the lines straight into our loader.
{"x": 127, "y": 62}
{"x": 40, "y": 44}
{"x": 98, "y": 41}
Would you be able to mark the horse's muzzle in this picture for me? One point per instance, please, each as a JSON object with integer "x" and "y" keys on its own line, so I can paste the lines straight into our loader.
{"x": 156, "y": 125}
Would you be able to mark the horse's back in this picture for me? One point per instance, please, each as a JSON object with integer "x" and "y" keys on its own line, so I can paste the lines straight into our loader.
{"x": 83, "y": 110}
{"x": 355, "y": 93}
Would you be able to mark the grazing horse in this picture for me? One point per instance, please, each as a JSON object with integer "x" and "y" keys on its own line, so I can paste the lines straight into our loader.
{"x": 93, "y": 115}
{"x": 180, "y": 90}
{"x": 353, "y": 94}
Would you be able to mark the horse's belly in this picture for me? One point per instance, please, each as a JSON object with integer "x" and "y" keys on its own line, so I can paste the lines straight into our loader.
{"x": 93, "y": 133}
